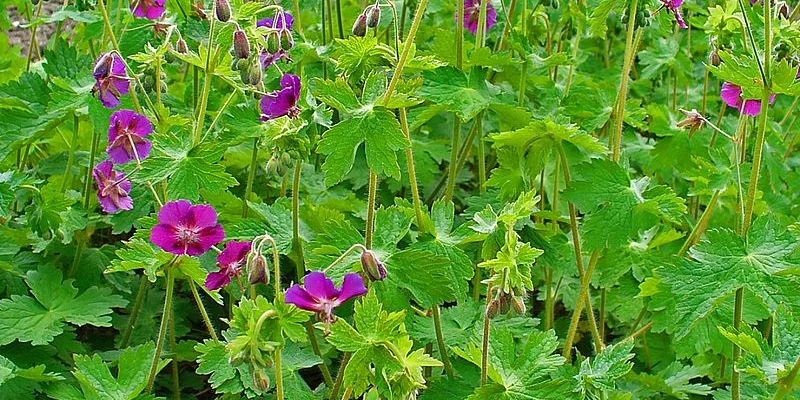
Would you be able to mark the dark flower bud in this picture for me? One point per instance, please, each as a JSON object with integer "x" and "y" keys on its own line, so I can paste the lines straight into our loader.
{"x": 181, "y": 47}
{"x": 274, "y": 166}
{"x": 505, "y": 303}
{"x": 360, "y": 26}
{"x": 372, "y": 266}
{"x": 255, "y": 74}
{"x": 260, "y": 379}
{"x": 493, "y": 308}
{"x": 783, "y": 10}
{"x": 373, "y": 14}
{"x": 518, "y": 305}
{"x": 713, "y": 57}
{"x": 223, "y": 10}
{"x": 286, "y": 39}
{"x": 273, "y": 42}
{"x": 241, "y": 46}
{"x": 257, "y": 270}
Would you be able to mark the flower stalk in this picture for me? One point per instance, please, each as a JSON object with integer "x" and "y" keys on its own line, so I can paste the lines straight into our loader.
{"x": 162, "y": 331}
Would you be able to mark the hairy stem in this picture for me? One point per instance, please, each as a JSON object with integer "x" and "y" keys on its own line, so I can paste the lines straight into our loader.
{"x": 340, "y": 374}
{"x": 203, "y": 312}
{"x": 297, "y": 243}
{"x": 437, "y": 324}
{"x": 162, "y": 331}
{"x": 73, "y": 145}
{"x": 137, "y": 307}
{"x": 312, "y": 337}
{"x": 623, "y": 86}
{"x": 251, "y": 174}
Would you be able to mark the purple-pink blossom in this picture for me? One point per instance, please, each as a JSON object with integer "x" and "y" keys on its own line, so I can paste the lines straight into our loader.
{"x": 673, "y": 6}
{"x": 472, "y": 14}
{"x": 282, "y": 102}
{"x": 112, "y": 188}
{"x": 732, "y": 95}
{"x": 229, "y": 262}
{"x": 187, "y": 229}
{"x": 318, "y": 294}
{"x": 126, "y": 136}
{"x": 150, "y": 9}
{"x": 111, "y": 80}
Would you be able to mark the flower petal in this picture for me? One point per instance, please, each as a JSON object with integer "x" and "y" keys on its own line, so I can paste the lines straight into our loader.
{"x": 298, "y": 296}
{"x": 352, "y": 286}
{"x": 208, "y": 237}
{"x": 216, "y": 280}
{"x": 202, "y": 215}
{"x": 234, "y": 252}
{"x": 174, "y": 212}
{"x": 319, "y": 286}
{"x": 165, "y": 237}
{"x": 731, "y": 94}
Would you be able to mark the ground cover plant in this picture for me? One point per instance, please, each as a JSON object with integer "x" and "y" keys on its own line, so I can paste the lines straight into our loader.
{"x": 421, "y": 199}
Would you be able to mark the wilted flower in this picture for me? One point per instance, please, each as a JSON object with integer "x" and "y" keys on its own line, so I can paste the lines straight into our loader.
{"x": 282, "y": 102}
{"x": 282, "y": 25}
{"x": 111, "y": 79}
{"x": 373, "y": 267}
{"x": 732, "y": 95}
{"x": 693, "y": 121}
{"x": 318, "y": 294}
{"x": 673, "y": 6}
{"x": 112, "y": 188}
{"x": 187, "y": 229}
{"x": 126, "y": 136}
{"x": 150, "y": 9}
{"x": 472, "y": 13}
{"x": 229, "y": 262}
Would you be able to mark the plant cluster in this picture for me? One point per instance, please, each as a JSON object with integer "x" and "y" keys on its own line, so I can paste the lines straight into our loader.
{"x": 462, "y": 199}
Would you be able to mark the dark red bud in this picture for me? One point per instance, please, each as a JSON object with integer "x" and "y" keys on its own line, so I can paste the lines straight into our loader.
{"x": 492, "y": 309}
{"x": 223, "y": 10}
{"x": 257, "y": 270}
{"x": 360, "y": 26}
{"x": 181, "y": 46}
{"x": 518, "y": 305}
{"x": 373, "y": 14}
{"x": 372, "y": 266}
{"x": 241, "y": 46}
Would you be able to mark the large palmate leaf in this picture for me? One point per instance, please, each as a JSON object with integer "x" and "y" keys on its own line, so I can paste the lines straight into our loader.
{"x": 465, "y": 95}
{"x": 55, "y": 302}
{"x": 98, "y": 383}
{"x": 724, "y": 262}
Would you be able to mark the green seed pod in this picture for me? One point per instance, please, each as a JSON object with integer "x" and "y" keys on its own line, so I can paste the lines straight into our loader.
{"x": 274, "y": 167}
{"x": 255, "y": 74}
{"x": 260, "y": 379}
{"x": 287, "y": 42}
{"x": 148, "y": 82}
{"x": 273, "y": 42}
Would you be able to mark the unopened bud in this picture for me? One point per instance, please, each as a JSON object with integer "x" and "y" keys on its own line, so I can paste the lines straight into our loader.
{"x": 713, "y": 57}
{"x": 260, "y": 379}
{"x": 518, "y": 305}
{"x": 286, "y": 39}
{"x": 372, "y": 266}
{"x": 181, "y": 47}
{"x": 223, "y": 10}
{"x": 257, "y": 270}
{"x": 373, "y": 14}
{"x": 360, "y": 26}
{"x": 274, "y": 166}
{"x": 255, "y": 74}
{"x": 493, "y": 308}
{"x": 505, "y": 303}
{"x": 783, "y": 10}
{"x": 241, "y": 46}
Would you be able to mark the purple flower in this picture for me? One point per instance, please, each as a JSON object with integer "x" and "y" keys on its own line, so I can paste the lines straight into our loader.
{"x": 732, "y": 95}
{"x": 150, "y": 9}
{"x": 277, "y": 22}
{"x": 186, "y": 229}
{"x": 472, "y": 13}
{"x": 126, "y": 136}
{"x": 112, "y": 188}
{"x": 673, "y": 6}
{"x": 282, "y": 102}
{"x": 111, "y": 79}
{"x": 230, "y": 263}
{"x": 320, "y": 296}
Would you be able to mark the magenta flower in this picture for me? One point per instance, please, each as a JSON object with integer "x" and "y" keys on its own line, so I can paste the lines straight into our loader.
{"x": 266, "y": 57}
{"x": 320, "y": 296}
{"x": 150, "y": 9}
{"x": 282, "y": 102}
{"x": 186, "y": 229}
{"x": 112, "y": 188}
{"x": 673, "y": 6}
{"x": 126, "y": 136}
{"x": 111, "y": 79}
{"x": 230, "y": 263}
{"x": 472, "y": 13}
{"x": 732, "y": 95}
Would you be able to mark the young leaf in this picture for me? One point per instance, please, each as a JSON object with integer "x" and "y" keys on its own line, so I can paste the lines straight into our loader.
{"x": 97, "y": 382}
{"x": 600, "y": 375}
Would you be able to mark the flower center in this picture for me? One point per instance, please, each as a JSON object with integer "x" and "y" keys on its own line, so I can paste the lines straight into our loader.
{"x": 187, "y": 236}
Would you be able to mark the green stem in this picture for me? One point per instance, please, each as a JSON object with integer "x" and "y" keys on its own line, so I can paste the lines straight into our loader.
{"x": 203, "y": 312}
{"x": 791, "y": 110}
{"x": 87, "y": 194}
{"x": 340, "y": 374}
{"x": 786, "y": 384}
{"x": 279, "y": 373}
{"x": 452, "y": 169}
{"x": 737, "y": 322}
{"x": 312, "y": 337}
{"x": 623, "y": 86}
{"x": 71, "y": 158}
{"x": 162, "y": 331}
{"x": 158, "y": 80}
{"x": 407, "y": 45}
{"x": 548, "y": 301}
{"x": 701, "y": 225}
{"x": 481, "y": 154}
{"x": 339, "y": 18}
{"x": 173, "y": 345}
{"x": 485, "y": 341}
{"x": 251, "y": 174}
{"x": 437, "y": 324}
{"x": 571, "y": 70}
{"x": 33, "y": 39}
{"x": 373, "y": 188}
{"x": 209, "y": 75}
{"x": 579, "y": 304}
{"x": 297, "y": 243}
{"x": 459, "y": 34}
{"x": 137, "y": 307}
{"x": 412, "y": 171}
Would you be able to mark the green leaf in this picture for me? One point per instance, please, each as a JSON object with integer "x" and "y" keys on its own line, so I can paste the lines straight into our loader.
{"x": 380, "y": 132}
{"x": 618, "y": 208}
{"x": 724, "y": 262}
{"x": 465, "y": 95}
{"x": 741, "y": 70}
{"x": 139, "y": 254}
{"x": 598, "y": 19}
{"x": 600, "y": 375}
{"x": 424, "y": 274}
{"x": 358, "y": 56}
{"x": 41, "y": 318}
{"x": 97, "y": 382}
{"x": 519, "y": 371}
